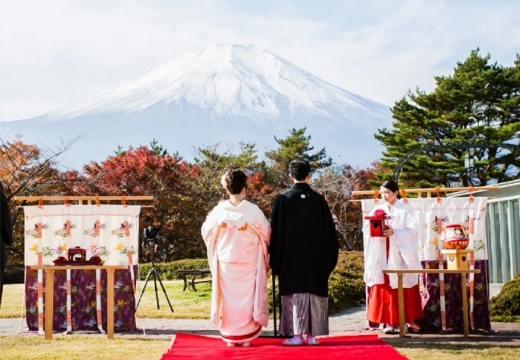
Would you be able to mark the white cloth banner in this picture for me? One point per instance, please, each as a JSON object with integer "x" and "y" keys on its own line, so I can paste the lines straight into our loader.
{"x": 108, "y": 231}
{"x": 433, "y": 215}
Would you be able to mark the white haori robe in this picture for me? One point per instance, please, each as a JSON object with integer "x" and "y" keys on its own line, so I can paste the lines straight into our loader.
{"x": 237, "y": 238}
{"x": 404, "y": 247}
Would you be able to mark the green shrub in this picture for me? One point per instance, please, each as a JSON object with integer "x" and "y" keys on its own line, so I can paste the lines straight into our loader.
{"x": 14, "y": 274}
{"x": 505, "y": 307}
{"x": 346, "y": 286}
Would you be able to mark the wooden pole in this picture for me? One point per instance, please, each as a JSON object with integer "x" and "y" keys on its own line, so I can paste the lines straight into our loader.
{"x": 429, "y": 191}
{"x": 81, "y": 198}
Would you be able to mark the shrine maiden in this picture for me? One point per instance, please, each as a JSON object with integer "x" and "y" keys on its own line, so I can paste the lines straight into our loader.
{"x": 236, "y": 234}
{"x": 398, "y": 250}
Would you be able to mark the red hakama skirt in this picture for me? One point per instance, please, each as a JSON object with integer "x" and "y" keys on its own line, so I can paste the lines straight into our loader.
{"x": 383, "y": 304}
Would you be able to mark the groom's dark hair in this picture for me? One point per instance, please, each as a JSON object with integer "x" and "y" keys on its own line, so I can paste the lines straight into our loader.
{"x": 299, "y": 169}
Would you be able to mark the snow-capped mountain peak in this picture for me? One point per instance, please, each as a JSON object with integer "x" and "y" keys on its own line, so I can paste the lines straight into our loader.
{"x": 227, "y": 80}
{"x": 217, "y": 94}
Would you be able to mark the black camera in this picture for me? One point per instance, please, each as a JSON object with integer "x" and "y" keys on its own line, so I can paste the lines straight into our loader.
{"x": 150, "y": 233}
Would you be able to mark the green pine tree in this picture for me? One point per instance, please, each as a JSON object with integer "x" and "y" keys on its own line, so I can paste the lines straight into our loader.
{"x": 295, "y": 146}
{"x": 467, "y": 113}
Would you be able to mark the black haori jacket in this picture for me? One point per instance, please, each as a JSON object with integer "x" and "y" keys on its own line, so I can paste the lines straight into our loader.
{"x": 304, "y": 243}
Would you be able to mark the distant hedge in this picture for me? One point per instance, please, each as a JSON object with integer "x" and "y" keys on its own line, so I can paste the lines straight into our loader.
{"x": 346, "y": 287}
{"x": 168, "y": 271}
{"x": 14, "y": 274}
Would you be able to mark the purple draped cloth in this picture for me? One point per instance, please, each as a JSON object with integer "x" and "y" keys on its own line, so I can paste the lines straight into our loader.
{"x": 430, "y": 292}
{"x": 83, "y": 300}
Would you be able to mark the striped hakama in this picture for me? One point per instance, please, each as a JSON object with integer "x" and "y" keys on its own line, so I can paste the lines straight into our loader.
{"x": 304, "y": 313}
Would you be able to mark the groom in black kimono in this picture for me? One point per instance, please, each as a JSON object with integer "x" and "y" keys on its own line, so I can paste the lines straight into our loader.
{"x": 303, "y": 252}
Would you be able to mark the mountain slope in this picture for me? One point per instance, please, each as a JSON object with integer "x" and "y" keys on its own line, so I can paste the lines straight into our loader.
{"x": 212, "y": 94}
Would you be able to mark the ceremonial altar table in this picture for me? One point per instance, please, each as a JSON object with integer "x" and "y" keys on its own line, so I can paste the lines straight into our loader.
{"x": 81, "y": 262}
{"x": 463, "y": 272}
{"x": 441, "y": 292}
{"x": 49, "y": 294}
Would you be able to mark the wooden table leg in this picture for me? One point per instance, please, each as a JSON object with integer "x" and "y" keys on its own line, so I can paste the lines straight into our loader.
{"x": 49, "y": 302}
{"x": 464, "y": 304}
{"x": 400, "y": 300}
{"x": 110, "y": 303}
{"x": 193, "y": 282}
{"x": 185, "y": 278}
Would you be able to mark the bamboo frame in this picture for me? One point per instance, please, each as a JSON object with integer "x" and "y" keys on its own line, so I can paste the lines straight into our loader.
{"x": 428, "y": 191}
{"x": 81, "y": 199}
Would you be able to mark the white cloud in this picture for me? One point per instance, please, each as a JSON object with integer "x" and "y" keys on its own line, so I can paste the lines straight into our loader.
{"x": 56, "y": 53}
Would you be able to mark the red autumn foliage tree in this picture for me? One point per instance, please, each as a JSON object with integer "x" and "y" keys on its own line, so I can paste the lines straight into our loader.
{"x": 260, "y": 192}
{"x": 27, "y": 170}
{"x": 148, "y": 172}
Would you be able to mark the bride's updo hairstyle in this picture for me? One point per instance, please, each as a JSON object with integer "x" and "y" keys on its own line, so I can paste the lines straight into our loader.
{"x": 234, "y": 181}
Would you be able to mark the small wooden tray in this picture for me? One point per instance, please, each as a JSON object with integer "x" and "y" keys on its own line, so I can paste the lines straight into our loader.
{"x": 59, "y": 262}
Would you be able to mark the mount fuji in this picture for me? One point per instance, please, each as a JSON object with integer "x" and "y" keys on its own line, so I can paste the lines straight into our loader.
{"x": 215, "y": 94}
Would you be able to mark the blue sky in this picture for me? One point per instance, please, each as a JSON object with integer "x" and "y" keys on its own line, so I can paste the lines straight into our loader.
{"x": 55, "y": 53}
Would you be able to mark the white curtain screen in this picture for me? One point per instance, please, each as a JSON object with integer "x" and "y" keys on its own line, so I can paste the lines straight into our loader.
{"x": 108, "y": 231}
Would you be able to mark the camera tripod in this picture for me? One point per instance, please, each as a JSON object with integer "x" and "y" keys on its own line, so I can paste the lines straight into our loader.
{"x": 153, "y": 271}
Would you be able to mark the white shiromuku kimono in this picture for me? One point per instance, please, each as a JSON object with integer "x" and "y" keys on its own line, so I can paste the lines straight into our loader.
{"x": 237, "y": 238}
{"x": 404, "y": 247}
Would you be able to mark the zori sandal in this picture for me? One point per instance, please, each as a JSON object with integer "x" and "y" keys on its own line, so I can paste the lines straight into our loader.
{"x": 312, "y": 341}
{"x": 293, "y": 342}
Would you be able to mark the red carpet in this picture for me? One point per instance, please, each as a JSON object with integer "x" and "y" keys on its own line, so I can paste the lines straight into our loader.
{"x": 187, "y": 346}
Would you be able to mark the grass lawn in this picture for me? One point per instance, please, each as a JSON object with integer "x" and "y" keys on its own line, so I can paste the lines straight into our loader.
{"x": 186, "y": 305}
{"x": 18, "y": 347}
{"x": 30, "y": 347}
{"x": 456, "y": 352}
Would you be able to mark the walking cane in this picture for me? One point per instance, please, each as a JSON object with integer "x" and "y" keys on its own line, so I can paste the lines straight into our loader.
{"x": 274, "y": 304}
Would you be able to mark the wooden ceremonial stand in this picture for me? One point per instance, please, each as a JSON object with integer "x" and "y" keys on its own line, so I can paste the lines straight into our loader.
{"x": 457, "y": 264}
{"x": 49, "y": 293}
{"x": 400, "y": 296}
{"x": 457, "y": 259}
{"x": 50, "y": 269}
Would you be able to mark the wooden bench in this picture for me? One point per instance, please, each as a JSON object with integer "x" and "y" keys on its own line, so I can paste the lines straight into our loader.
{"x": 190, "y": 277}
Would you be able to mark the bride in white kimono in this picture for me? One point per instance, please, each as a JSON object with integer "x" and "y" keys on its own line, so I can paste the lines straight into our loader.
{"x": 237, "y": 233}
